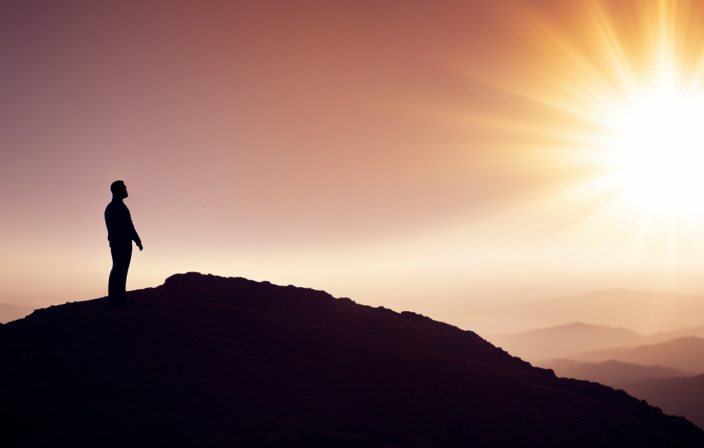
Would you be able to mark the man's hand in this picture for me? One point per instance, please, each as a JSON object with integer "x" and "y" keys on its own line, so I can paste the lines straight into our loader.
{"x": 140, "y": 247}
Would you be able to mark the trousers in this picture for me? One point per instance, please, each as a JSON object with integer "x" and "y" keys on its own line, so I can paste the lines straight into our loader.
{"x": 121, "y": 256}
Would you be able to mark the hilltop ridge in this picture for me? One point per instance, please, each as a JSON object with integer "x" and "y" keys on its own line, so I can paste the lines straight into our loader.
{"x": 211, "y": 361}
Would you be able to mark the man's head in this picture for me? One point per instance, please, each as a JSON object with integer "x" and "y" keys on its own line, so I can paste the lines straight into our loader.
{"x": 118, "y": 189}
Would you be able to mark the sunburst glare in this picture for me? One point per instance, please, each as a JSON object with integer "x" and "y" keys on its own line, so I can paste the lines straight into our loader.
{"x": 618, "y": 95}
{"x": 657, "y": 151}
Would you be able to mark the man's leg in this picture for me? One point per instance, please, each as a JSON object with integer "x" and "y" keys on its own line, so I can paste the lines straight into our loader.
{"x": 117, "y": 284}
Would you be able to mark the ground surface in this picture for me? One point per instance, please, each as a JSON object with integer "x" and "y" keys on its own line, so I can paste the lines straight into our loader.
{"x": 210, "y": 361}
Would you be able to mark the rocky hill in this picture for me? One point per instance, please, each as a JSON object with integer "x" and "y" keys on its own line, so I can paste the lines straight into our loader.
{"x": 210, "y": 361}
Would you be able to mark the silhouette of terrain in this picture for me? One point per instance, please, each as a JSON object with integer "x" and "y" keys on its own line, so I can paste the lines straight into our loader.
{"x": 211, "y": 361}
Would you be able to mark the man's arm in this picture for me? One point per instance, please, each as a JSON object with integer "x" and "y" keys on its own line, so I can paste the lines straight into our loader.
{"x": 133, "y": 232}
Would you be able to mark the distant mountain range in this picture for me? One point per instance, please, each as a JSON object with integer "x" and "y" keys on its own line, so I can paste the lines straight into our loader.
{"x": 211, "y": 361}
{"x": 644, "y": 312}
{"x": 675, "y": 391}
{"x": 612, "y": 373}
{"x": 597, "y": 343}
{"x": 653, "y": 367}
{"x": 679, "y": 396}
{"x": 672, "y": 335}
{"x": 564, "y": 340}
{"x": 683, "y": 353}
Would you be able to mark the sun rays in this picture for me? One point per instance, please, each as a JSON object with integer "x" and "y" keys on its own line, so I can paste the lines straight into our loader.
{"x": 618, "y": 96}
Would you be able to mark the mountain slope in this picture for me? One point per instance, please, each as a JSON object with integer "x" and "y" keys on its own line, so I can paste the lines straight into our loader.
{"x": 210, "y": 361}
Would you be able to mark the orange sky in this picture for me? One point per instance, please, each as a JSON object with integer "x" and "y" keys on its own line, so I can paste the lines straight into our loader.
{"x": 420, "y": 155}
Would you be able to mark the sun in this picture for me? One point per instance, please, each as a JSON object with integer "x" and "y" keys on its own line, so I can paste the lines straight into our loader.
{"x": 598, "y": 132}
{"x": 606, "y": 118}
{"x": 657, "y": 151}
{"x": 651, "y": 114}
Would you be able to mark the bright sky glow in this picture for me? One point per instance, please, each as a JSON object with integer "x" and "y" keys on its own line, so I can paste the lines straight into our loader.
{"x": 658, "y": 151}
{"x": 620, "y": 112}
{"x": 656, "y": 135}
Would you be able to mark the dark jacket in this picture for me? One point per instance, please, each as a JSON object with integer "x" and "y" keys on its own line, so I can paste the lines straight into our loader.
{"x": 119, "y": 223}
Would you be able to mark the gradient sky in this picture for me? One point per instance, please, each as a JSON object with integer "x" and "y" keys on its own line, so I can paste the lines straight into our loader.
{"x": 433, "y": 156}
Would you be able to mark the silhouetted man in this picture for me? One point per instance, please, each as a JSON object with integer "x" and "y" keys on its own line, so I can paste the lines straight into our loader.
{"x": 121, "y": 233}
